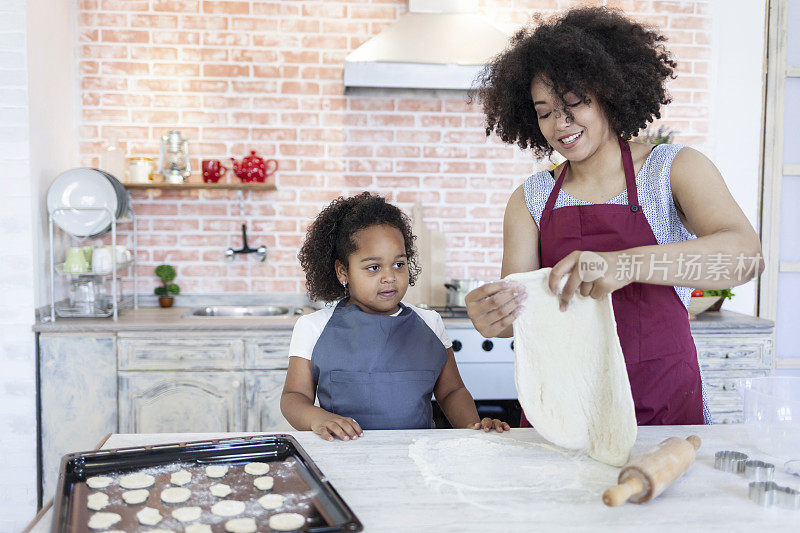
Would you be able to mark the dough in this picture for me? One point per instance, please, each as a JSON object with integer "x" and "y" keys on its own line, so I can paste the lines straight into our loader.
{"x": 256, "y": 469}
{"x": 186, "y": 514}
{"x": 99, "y": 482}
{"x": 228, "y": 508}
{"x": 216, "y": 471}
{"x": 220, "y": 490}
{"x": 241, "y": 525}
{"x": 287, "y": 521}
{"x": 148, "y": 516}
{"x": 570, "y": 372}
{"x": 263, "y": 482}
{"x": 97, "y": 501}
{"x": 133, "y": 497}
{"x": 175, "y": 495}
{"x": 137, "y": 481}
{"x": 197, "y": 528}
{"x": 271, "y": 501}
{"x": 181, "y": 477}
{"x": 103, "y": 520}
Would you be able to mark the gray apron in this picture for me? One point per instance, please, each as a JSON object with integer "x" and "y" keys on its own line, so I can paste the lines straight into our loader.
{"x": 378, "y": 369}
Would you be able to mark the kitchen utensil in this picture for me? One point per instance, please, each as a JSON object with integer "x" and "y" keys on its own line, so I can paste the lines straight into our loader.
{"x": 82, "y": 188}
{"x": 76, "y": 261}
{"x": 102, "y": 260}
{"x": 140, "y": 169}
{"x": 213, "y": 170}
{"x": 647, "y": 476}
{"x": 253, "y": 168}
{"x": 772, "y": 414}
{"x": 83, "y": 294}
{"x": 759, "y": 470}
{"x": 730, "y": 461}
{"x": 792, "y": 467}
{"x": 700, "y": 304}
{"x": 123, "y": 197}
{"x": 173, "y": 161}
{"x": 769, "y": 493}
{"x": 458, "y": 289}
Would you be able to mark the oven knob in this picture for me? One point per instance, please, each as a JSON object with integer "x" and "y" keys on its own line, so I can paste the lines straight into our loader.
{"x": 456, "y": 346}
{"x": 512, "y": 345}
{"x": 487, "y": 346}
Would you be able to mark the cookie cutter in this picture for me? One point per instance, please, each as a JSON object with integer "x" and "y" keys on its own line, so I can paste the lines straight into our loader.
{"x": 769, "y": 493}
{"x": 730, "y": 461}
{"x": 759, "y": 470}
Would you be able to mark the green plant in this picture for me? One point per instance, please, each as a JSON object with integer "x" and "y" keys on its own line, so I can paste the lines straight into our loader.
{"x": 727, "y": 293}
{"x": 662, "y": 135}
{"x": 166, "y": 273}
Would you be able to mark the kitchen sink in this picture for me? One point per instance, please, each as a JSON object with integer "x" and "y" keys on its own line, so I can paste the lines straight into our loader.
{"x": 232, "y": 311}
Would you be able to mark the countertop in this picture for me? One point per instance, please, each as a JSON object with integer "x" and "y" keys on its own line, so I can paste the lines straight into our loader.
{"x": 464, "y": 481}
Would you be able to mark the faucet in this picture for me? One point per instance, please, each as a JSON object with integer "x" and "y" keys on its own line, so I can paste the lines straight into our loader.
{"x": 261, "y": 251}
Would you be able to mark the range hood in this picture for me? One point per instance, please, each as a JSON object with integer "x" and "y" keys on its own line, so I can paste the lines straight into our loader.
{"x": 438, "y": 44}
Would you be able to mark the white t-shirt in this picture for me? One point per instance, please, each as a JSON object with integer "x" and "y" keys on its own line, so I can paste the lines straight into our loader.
{"x": 308, "y": 328}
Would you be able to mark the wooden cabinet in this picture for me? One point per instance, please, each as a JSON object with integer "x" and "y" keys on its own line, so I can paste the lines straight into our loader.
{"x": 262, "y": 400}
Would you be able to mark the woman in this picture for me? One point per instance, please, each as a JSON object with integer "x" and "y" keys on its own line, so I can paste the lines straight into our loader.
{"x": 659, "y": 217}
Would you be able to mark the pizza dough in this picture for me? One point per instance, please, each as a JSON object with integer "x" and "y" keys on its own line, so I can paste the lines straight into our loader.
{"x": 264, "y": 482}
{"x": 570, "y": 372}
{"x": 148, "y": 516}
{"x": 216, "y": 471}
{"x": 97, "y": 501}
{"x": 99, "y": 482}
{"x": 181, "y": 477}
{"x": 286, "y": 521}
{"x": 220, "y": 490}
{"x": 186, "y": 514}
{"x": 175, "y": 495}
{"x": 241, "y": 525}
{"x": 271, "y": 501}
{"x": 137, "y": 481}
{"x": 256, "y": 469}
{"x": 228, "y": 508}
{"x": 103, "y": 520}
{"x": 134, "y": 497}
{"x": 197, "y": 528}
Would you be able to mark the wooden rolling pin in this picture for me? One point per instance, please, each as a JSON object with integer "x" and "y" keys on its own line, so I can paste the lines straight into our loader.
{"x": 647, "y": 476}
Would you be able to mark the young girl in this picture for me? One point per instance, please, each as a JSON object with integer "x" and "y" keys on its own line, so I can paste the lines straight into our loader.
{"x": 582, "y": 85}
{"x": 372, "y": 361}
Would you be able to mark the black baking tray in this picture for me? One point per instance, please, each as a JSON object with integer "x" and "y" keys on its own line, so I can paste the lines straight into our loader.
{"x": 326, "y": 511}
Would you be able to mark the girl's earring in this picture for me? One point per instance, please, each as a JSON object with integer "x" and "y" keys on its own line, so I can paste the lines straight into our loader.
{"x": 346, "y": 292}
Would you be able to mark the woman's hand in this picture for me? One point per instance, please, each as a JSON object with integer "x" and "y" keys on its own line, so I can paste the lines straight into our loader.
{"x": 494, "y": 306}
{"x": 329, "y": 424}
{"x": 489, "y": 424}
{"x": 592, "y": 273}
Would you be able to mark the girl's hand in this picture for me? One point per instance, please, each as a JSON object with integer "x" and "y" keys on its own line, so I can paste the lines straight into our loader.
{"x": 343, "y": 427}
{"x": 592, "y": 273}
{"x": 494, "y": 306}
{"x": 488, "y": 424}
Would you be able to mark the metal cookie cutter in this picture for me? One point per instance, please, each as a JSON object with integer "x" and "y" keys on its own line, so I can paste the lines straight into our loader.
{"x": 769, "y": 493}
{"x": 730, "y": 461}
{"x": 759, "y": 470}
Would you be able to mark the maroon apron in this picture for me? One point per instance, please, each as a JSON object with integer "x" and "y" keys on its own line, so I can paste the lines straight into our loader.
{"x": 652, "y": 322}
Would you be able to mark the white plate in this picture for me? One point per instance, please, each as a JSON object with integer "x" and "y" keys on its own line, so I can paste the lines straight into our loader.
{"x": 81, "y": 188}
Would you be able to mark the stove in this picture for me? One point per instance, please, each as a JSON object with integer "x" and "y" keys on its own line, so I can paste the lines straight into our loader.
{"x": 446, "y": 311}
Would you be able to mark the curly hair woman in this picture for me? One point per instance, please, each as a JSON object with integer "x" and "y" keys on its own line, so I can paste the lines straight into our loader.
{"x": 582, "y": 84}
{"x": 372, "y": 361}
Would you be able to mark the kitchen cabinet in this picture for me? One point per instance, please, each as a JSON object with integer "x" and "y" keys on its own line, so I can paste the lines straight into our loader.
{"x": 262, "y": 401}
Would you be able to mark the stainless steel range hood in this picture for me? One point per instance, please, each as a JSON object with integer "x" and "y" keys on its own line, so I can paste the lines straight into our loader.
{"x": 438, "y": 44}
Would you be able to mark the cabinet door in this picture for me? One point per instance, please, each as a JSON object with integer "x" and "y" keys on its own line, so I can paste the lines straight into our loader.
{"x": 180, "y": 402}
{"x": 269, "y": 352}
{"x": 264, "y": 401}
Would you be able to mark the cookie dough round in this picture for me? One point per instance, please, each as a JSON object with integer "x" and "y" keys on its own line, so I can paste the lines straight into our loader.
{"x": 175, "y": 495}
{"x": 287, "y": 521}
{"x": 216, "y": 471}
{"x": 256, "y": 469}
{"x": 137, "y": 481}
{"x": 264, "y": 482}
{"x": 186, "y": 514}
{"x": 97, "y": 501}
{"x": 271, "y": 501}
{"x": 134, "y": 497}
{"x": 181, "y": 477}
{"x": 103, "y": 520}
{"x": 228, "y": 508}
{"x": 220, "y": 490}
{"x": 148, "y": 516}
{"x": 99, "y": 482}
{"x": 241, "y": 525}
{"x": 197, "y": 528}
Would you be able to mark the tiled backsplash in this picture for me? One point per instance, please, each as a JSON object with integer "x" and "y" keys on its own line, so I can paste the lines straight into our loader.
{"x": 267, "y": 76}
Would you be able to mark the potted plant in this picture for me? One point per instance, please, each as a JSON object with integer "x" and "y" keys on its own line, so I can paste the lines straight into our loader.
{"x": 166, "y": 274}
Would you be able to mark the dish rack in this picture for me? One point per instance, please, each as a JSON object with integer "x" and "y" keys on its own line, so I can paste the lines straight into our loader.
{"x": 117, "y": 300}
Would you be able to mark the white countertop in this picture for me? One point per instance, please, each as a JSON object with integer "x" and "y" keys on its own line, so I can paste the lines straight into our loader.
{"x": 462, "y": 481}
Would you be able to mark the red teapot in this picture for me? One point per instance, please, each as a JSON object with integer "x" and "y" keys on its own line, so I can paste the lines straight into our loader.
{"x": 253, "y": 169}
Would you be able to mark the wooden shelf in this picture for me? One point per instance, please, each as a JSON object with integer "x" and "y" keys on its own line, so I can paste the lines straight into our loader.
{"x": 201, "y": 185}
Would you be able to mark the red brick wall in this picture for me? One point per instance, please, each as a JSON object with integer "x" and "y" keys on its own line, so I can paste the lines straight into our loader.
{"x": 267, "y": 76}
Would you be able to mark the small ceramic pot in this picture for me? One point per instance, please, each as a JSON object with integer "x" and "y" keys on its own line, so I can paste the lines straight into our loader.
{"x": 166, "y": 301}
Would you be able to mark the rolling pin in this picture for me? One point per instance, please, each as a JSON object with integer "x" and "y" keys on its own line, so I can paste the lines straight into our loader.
{"x": 647, "y": 476}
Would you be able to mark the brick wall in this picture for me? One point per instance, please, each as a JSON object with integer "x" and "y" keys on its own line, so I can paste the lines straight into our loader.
{"x": 241, "y": 75}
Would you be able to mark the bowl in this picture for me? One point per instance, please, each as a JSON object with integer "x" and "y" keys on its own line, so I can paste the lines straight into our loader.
{"x": 772, "y": 414}
{"x": 699, "y": 304}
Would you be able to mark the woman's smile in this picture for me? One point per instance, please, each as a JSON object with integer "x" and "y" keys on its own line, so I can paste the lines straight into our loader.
{"x": 568, "y": 141}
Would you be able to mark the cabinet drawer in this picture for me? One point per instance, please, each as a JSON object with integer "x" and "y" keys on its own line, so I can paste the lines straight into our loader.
{"x": 733, "y": 352}
{"x": 268, "y": 353}
{"x": 726, "y": 417}
{"x": 169, "y": 353}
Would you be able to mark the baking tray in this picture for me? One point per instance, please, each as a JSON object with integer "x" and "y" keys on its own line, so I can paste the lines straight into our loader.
{"x": 295, "y": 475}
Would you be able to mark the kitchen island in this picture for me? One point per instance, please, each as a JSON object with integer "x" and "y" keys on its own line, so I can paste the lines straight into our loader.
{"x": 463, "y": 480}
